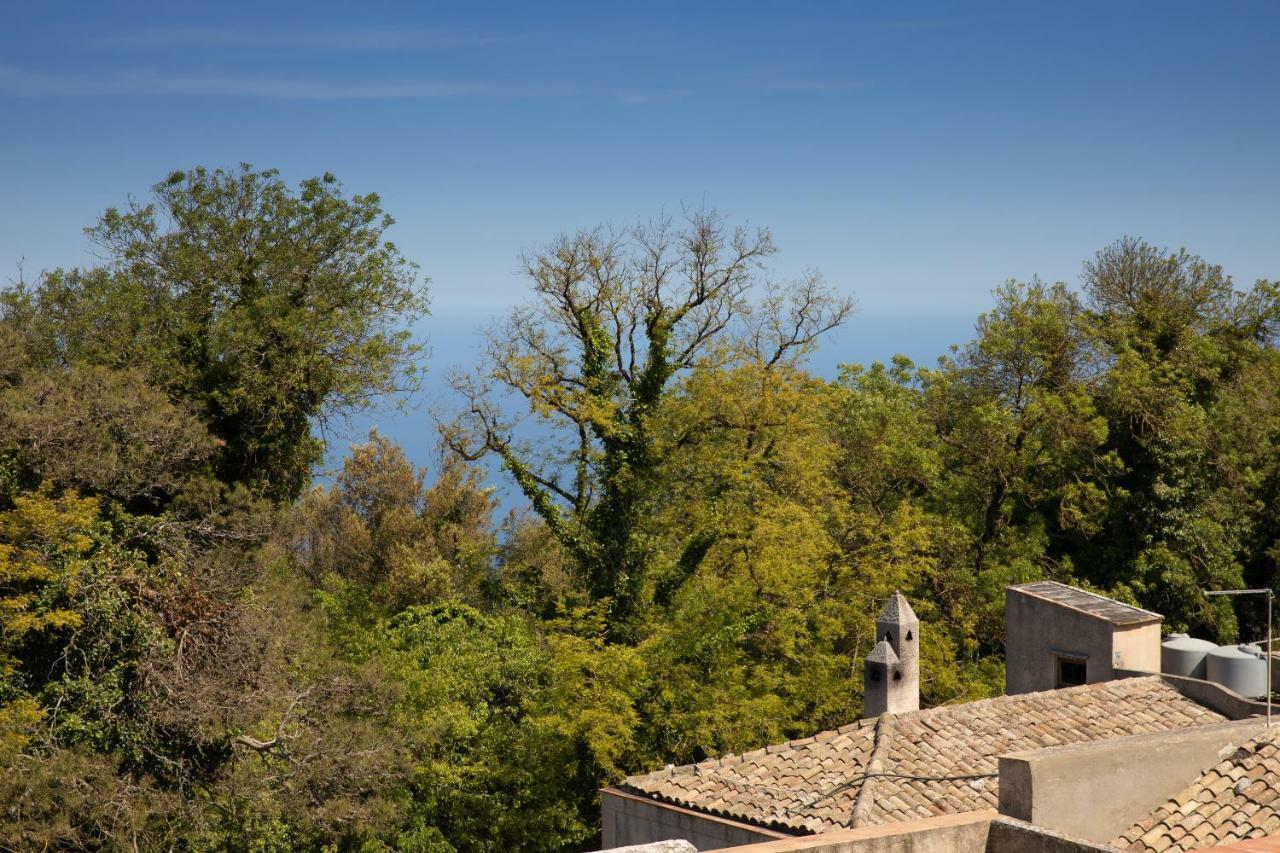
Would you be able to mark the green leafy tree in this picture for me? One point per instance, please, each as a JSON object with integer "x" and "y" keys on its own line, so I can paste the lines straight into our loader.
{"x": 43, "y": 544}
{"x": 272, "y": 311}
{"x": 742, "y": 521}
{"x": 904, "y": 531}
{"x": 1023, "y": 466}
{"x": 509, "y": 733}
{"x": 383, "y": 527}
{"x": 1178, "y": 338}
{"x": 780, "y": 531}
{"x": 1016, "y": 416}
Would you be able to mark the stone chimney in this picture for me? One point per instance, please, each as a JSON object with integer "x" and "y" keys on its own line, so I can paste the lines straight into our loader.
{"x": 891, "y": 675}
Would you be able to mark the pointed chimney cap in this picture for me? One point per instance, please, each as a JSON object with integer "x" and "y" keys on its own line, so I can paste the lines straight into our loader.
{"x": 897, "y": 611}
{"x": 883, "y": 653}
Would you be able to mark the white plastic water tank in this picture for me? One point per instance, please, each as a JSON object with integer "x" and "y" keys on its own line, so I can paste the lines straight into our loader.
{"x": 1181, "y": 654}
{"x": 1240, "y": 668}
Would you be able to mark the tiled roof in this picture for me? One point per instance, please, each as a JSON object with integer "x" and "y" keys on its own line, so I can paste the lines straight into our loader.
{"x": 861, "y": 774}
{"x": 1235, "y": 799}
{"x": 1115, "y": 612}
{"x": 1270, "y": 844}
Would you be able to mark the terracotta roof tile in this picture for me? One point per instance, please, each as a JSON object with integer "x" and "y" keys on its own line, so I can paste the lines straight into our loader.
{"x": 1235, "y": 799}
{"x": 815, "y": 784}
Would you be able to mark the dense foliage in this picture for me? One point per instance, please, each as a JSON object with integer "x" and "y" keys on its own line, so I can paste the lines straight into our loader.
{"x": 201, "y": 650}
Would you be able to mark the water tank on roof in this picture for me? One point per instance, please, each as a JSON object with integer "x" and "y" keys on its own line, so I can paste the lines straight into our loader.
{"x": 1240, "y": 668}
{"x": 1184, "y": 655}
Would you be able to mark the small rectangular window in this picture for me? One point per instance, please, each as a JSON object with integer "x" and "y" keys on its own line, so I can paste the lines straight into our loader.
{"x": 1071, "y": 672}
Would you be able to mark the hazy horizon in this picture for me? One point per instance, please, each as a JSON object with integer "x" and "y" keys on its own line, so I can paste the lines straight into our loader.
{"x": 918, "y": 159}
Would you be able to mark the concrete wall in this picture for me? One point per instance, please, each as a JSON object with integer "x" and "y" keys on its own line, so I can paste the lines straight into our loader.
{"x": 629, "y": 819}
{"x": 1037, "y": 632}
{"x": 1012, "y": 836}
{"x": 959, "y": 833}
{"x": 1096, "y": 791}
{"x": 969, "y": 832}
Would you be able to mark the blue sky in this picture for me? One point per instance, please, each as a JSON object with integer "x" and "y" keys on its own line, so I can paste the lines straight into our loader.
{"x": 917, "y": 154}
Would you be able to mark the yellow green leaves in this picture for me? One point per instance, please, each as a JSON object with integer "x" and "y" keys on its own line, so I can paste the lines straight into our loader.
{"x": 18, "y": 719}
{"x": 43, "y": 542}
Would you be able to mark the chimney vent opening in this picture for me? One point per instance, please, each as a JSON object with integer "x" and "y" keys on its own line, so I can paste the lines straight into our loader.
{"x": 891, "y": 678}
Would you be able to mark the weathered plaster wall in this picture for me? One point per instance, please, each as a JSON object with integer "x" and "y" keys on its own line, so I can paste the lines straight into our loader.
{"x": 970, "y": 832}
{"x": 1037, "y": 631}
{"x": 1136, "y": 648}
{"x": 962, "y": 833}
{"x": 1096, "y": 791}
{"x": 628, "y": 819}
{"x": 1011, "y": 836}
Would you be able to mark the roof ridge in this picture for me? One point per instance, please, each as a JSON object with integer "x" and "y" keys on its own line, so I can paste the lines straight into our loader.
{"x": 875, "y": 765}
{"x": 1113, "y": 686}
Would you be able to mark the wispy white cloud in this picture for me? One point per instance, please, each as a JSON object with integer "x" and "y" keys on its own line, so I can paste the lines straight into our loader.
{"x": 22, "y": 82}
{"x": 644, "y": 98}
{"x": 813, "y": 86}
{"x": 376, "y": 39}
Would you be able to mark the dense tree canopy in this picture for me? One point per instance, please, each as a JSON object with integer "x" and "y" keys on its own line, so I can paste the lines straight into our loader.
{"x": 1182, "y": 344}
{"x": 201, "y": 650}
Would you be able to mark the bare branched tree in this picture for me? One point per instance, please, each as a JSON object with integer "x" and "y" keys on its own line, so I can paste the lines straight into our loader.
{"x": 616, "y": 318}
